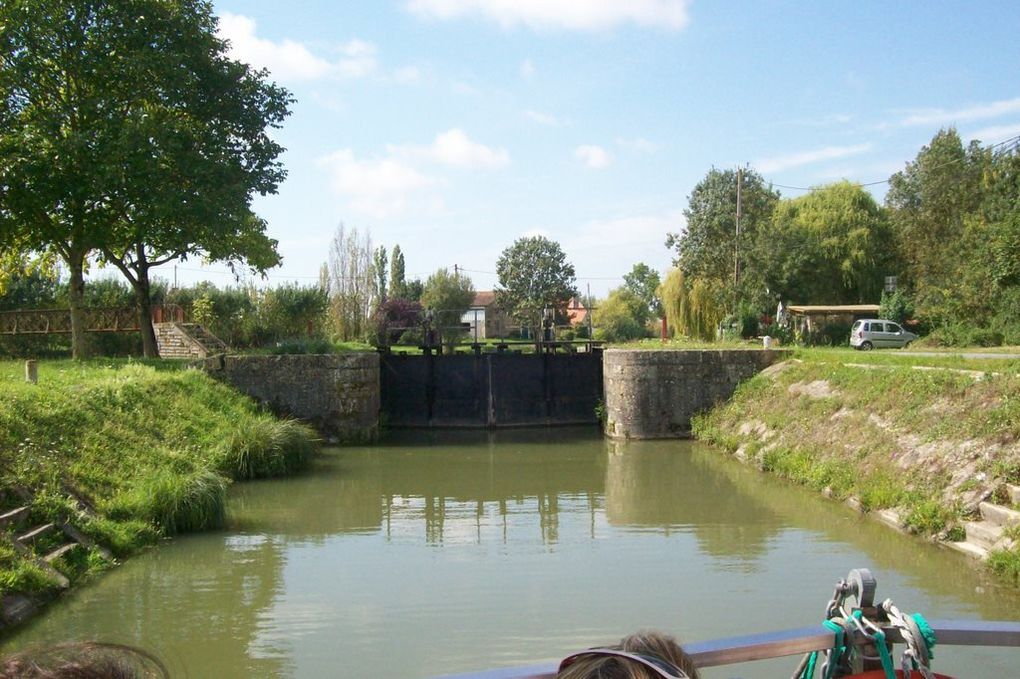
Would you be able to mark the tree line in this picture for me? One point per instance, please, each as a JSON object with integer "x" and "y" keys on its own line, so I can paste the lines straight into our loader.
{"x": 948, "y": 231}
{"x": 128, "y": 138}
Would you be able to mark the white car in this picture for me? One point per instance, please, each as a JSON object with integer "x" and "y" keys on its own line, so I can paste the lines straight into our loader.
{"x": 873, "y": 333}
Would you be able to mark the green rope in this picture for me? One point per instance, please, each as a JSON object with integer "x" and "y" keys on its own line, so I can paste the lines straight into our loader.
{"x": 809, "y": 668}
{"x": 838, "y": 647}
{"x": 883, "y": 653}
{"x": 927, "y": 632}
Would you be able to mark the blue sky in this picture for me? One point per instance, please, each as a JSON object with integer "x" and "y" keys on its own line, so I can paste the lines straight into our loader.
{"x": 454, "y": 127}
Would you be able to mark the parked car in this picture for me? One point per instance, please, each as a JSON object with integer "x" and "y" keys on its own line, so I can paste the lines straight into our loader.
{"x": 872, "y": 333}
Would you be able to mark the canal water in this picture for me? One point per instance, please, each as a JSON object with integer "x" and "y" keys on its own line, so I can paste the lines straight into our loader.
{"x": 435, "y": 553}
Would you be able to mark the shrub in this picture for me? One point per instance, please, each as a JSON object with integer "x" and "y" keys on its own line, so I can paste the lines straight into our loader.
{"x": 174, "y": 502}
{"x": 261, "y": 447}
{"x": 896, "y": 306}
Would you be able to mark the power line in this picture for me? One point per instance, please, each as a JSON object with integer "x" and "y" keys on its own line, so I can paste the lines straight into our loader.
{"x": 1014, "y": 142}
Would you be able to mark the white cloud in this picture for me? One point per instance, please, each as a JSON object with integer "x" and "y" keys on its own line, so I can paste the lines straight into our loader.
{"x": 808, "y": 157}
{"x": 939, "y": 116}
{"x": 407, "y": 74}
{"x": 542, "y": 118}
{"x": 631, "y": 239}
{"x": 289, "y": 60}
{"x": 637, "y": 144}
{"x": 455, "y": 149}
{"x": 594, "y": 157}
{"x": 583, "y": 15}
{"x": 527, "y": 69}
{"x": 994, "y": 134}
{"x": 381, "y": 187}
{"x": 358, "y": 59}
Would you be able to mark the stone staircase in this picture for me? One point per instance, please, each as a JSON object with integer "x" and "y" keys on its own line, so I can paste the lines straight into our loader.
{"x": 187, "y": 340}
{"x": 992, "y": 531}
{"x": 42, "y": 543}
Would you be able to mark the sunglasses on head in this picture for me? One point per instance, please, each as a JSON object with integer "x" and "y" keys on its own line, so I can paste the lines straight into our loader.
{"x": 658, "y": 665}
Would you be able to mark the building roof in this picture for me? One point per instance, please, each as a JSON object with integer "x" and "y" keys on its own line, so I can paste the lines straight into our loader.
{"x": 484, "y": 298}
{"x": 809, "y": 310}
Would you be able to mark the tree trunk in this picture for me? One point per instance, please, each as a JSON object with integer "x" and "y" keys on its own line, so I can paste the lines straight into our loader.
{"x": 143, "y": 304}
{"x": 76, "y": 300}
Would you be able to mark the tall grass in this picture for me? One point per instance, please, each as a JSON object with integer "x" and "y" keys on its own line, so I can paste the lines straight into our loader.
{"x": 259, "y": 448}
{"x": 151, "y": 447}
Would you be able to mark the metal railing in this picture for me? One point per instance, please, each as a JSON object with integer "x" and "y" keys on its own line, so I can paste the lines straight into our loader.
{"x": 97, "y": 319}
{"x": 791, "y": 642}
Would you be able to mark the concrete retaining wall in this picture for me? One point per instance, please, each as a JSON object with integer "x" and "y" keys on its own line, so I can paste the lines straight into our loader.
{"x": 338, "y": 393}
{"x": 654, "y": 394}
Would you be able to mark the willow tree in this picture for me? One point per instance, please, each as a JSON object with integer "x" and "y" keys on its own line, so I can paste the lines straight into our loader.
{"x": 694, "y": 306}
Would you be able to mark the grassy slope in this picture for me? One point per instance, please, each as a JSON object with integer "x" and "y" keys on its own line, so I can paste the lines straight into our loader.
{"x": 929, "y": 443}
{"x": 151, "y": 447}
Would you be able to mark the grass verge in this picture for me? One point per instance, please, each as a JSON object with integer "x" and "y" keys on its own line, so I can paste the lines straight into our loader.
{"x": 128, "y": 452}
{"x": 930, "y": 444}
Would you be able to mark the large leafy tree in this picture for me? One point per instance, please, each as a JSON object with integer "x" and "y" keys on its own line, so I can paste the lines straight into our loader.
{"x": 643, "y": 283}
{"x": 127, "y": 133}
{"x": 534, "y": 276}
{"x": 706, "y": 247}
{"x": 446, "y": 297}
{"x": 931, "y": 200}
{"x": 830, "y": 246}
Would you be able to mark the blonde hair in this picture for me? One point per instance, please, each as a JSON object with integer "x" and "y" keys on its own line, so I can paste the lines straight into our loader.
{"x": 660, "y": 646}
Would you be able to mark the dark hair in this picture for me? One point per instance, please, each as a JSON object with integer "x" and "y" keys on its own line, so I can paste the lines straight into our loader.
{"x": 83, "y": 660}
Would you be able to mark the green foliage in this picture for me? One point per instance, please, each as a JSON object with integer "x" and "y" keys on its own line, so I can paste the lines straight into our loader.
{"x": 259, "y": 447}
{"x": 174, "y": 502}
{"x": 534, "y": 276}
{"x": 620, "y": 317}
{"x": 152, "y": 448}
{"x": 830, "y": 246}
{"x": 930, "y": 517}
{"x": 931, "y": 199}
{"x": 245, "y": 317}
{"x": 643, "y": 282}
{"x": 705, "y": 249}
{"x": 1006, "y": 562}
{"x": 447, "y": 297}
{"x": 171, "y": 174}
{"x": 379, "y": 267}
{"x": 896, "y": 306}
{"x": 398, "y": 286}
{"x": 694, "y": 307}
{"x": 312, "y": 345}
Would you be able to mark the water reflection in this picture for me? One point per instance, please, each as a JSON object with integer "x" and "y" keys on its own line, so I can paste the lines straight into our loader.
{"x": 649, "y": 484}
{"x": 436, "y": 553}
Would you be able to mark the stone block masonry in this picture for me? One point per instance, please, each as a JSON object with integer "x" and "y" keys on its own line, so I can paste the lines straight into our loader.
{"x": 654, "y": 394}
{"x": 337, "y": 393}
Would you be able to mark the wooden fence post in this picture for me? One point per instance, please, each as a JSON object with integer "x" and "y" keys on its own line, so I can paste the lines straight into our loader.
{"x": 31, "y": 372}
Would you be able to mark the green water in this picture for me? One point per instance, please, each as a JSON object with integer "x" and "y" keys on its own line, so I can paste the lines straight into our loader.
{"x": 433, "y": 554}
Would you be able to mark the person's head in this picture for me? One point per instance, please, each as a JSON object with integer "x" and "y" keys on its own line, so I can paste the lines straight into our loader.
{"x": 82, "y": 660}
{"x": 646, "y": 655}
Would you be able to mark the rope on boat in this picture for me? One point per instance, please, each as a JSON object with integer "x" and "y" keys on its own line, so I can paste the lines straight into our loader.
{"x": 917, "y": 634}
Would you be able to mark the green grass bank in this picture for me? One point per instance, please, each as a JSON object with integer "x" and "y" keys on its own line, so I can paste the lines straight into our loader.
{"x": 127, "y": 452}
{"x": 929, "y": 441}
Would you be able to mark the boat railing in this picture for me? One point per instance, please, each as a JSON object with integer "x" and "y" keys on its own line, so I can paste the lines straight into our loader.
{"x": 748, "y": 648}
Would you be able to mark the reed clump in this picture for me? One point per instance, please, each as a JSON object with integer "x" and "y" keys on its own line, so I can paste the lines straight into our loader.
{"x": 148, "y": 449}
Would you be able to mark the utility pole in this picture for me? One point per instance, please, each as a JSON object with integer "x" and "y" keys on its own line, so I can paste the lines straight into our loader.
{"x": 736, "y": 240}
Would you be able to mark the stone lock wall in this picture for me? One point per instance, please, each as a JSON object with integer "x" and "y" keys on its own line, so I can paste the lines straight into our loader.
{"x": 654, "y": 394}
{"x": 337, "y": 393}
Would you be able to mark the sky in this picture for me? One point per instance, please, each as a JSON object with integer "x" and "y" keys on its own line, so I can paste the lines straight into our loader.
{"x": 455, "y": 127}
